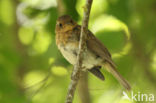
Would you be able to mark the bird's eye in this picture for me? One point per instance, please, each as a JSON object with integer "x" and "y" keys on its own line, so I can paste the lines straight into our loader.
{"x": 60, "y": 25}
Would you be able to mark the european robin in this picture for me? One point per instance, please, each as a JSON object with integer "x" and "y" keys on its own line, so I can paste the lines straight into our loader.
{"x": 96, "y": 54}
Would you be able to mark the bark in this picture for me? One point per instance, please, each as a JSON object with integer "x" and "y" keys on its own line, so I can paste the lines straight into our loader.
{"x": 82, "y": 45}
{"x": 83, "y": 88}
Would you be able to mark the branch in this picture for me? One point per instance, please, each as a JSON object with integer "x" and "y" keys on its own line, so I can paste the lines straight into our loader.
{"x": 83, "y": 88}
{"x": 61, "y": 7}
{"x": 82, "y": 45}
{"x": 20, "y": 50}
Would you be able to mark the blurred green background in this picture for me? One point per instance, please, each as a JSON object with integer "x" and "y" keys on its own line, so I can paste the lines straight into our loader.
{"x": 32, "y": 70}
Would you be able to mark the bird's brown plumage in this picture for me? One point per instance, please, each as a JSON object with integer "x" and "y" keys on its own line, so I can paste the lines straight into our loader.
{"x": 67, "y": 39}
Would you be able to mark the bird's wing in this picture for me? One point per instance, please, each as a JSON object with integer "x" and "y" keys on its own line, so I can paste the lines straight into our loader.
{"x": 98, "y": 48}
{"x": 94, "y": 45}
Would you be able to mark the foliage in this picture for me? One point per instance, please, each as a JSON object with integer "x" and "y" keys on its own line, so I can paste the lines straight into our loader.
{"x": 28, "y": 52}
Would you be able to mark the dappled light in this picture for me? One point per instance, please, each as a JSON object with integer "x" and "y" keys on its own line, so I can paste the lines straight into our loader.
{"x": 59, "y": 71}
{"x": 33, "y": 70}
{"x": 33, "y": 78}
{"x": 111, "y": 24}
{"x": 6, "y": 12}
{"x": 42, "y": 41}
{"x": 26, "y": 35}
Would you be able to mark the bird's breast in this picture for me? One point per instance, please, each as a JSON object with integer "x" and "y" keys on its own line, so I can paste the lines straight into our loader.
{"x": 70, "y": 52}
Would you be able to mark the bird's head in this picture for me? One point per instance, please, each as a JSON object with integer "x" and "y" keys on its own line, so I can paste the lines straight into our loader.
{"x": 64, "y": 24}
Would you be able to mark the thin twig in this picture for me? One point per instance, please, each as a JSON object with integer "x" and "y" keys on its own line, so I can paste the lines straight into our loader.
{"x": 44, "y": 80}
{"x": 43, "y": 83}
{"x": 82, "y": 45}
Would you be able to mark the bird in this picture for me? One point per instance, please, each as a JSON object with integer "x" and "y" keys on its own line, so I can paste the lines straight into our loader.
{"x": 95, "y": 56}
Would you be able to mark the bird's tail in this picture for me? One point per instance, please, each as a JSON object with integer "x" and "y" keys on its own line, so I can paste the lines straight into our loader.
{"x": 117, "y": 75}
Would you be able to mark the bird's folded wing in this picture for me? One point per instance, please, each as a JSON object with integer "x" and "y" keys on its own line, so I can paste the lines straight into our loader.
{"x": 94, "y": 45}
